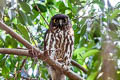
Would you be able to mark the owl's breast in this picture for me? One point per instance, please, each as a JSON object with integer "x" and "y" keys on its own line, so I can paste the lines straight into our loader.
{"x": 61, "y": 43}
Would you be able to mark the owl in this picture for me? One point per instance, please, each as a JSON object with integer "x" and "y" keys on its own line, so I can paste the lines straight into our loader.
{"x": 59, "y": 43}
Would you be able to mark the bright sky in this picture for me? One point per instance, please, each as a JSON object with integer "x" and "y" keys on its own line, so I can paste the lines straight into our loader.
{"x": 113, "y": 2}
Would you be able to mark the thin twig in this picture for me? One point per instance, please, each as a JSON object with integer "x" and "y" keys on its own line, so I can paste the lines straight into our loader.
{"x": 79, "y": 66}
{"x": 23, "y": 63}
{"x": 40, "y": 13}
{"x": 31, "y": 35}
{"x": 27, "y": 78}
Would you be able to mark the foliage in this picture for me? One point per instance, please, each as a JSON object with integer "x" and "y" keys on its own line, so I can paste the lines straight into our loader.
{"x": 88, "y": 18}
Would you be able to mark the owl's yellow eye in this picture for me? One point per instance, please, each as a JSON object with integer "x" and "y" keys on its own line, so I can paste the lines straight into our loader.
{"x": 54, "y": 20}
{"x": 65, "y": 20}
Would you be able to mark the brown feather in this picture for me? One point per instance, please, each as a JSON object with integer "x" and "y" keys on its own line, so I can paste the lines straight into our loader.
{"x": 59, "y": 42}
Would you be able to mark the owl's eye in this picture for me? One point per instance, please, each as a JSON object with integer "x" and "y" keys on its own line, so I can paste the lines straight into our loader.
{"x": 54, "y": 20}
{"x": 65, "y": 20}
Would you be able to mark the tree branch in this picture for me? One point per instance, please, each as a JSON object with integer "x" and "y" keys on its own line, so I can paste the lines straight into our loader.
{"x": 18, "y": 52}
{"x": 22, "y": 52}
{"x": 40, "y": 13}
{"x": 74, "y": 63}
{"x": 41, "y": 56}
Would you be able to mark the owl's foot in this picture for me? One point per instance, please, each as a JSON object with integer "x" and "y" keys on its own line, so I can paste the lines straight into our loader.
{"x": 64, "y": 68}
{"x": 60, "y": 60}
{"x": 33, "y": 53}
{"x": 63, "y": 65}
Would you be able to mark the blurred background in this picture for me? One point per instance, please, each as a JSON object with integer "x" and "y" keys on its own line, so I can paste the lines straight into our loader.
{"x": 96, "y": 25}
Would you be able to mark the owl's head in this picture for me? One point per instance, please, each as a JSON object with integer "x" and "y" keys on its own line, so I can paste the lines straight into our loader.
{"x": 59, "y": 20}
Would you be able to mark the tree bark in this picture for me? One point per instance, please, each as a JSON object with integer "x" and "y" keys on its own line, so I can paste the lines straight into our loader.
{"x": 109, "y": 62}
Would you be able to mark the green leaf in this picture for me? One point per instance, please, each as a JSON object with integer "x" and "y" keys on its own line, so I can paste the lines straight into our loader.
{"x": 24, "y": 32}
{"x": 25, "y": 7}
{"x": 92, "y": 76}
{"x": 75, "y": 9}
{"x": 83, "y": 30}
{"x": 13, "y": 43}
{"x": 115, "y": 13}
{"x": 34, "y": 15}
{"x": 50, "y": 2}
{"x": 29, "y": 20}
{"x": 10, "y": 42}
{"x": 78, "y": 54}
{"x": 1, "y": 56}
{"x": 41, "y": 7}
{"x": 22, "y": 17}
{"x": 69, "y": 4}
{"x": 78, "y": 51}
{"x": 76, "y": 35}
{"x": 90, "y": 53}
{"x": 72, "y": 1}
{"x": 5, "y": 71}
{"x": 61, "y": 6}
{"x": 1, "y": 43}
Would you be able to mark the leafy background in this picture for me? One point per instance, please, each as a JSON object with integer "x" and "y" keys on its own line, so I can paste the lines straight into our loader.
{"x": 90, "y": 20}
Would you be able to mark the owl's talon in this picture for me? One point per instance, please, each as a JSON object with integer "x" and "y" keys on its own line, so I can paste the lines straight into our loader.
{"x": 65, "y": 67}
{"x": 33, "y": 53}
{"x": 60, "y": 60}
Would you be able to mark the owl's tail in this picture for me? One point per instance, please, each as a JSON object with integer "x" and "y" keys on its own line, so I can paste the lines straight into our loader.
{"x": 56, "y": 74}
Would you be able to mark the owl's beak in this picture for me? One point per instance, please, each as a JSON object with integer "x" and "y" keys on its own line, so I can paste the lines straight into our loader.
{"x": 60, "y": 22}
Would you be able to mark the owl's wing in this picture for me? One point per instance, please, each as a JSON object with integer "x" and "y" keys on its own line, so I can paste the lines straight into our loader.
{"x": 46, "y": 37}
{"x": 47, "y": 41}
